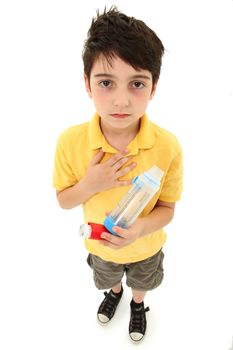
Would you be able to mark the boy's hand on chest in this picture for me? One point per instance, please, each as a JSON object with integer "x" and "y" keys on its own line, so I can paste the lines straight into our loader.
{"x": 105, "y": 175}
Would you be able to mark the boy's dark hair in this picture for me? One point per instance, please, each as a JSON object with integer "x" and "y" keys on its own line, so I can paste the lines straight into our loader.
{"x": 115, "y": 34}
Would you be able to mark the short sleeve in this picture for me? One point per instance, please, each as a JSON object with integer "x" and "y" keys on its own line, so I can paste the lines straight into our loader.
{"x": 173, "y": 183}
{"x": 63, "y": 175}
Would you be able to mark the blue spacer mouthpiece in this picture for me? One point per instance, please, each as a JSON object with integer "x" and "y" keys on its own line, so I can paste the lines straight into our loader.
{"x": 109, "y": 224}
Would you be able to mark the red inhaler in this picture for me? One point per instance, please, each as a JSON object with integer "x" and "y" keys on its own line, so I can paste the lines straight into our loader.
{"x": 92, "y": 231}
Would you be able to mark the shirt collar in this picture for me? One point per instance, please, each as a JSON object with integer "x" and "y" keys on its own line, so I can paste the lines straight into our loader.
{"x": 143, "y": 140}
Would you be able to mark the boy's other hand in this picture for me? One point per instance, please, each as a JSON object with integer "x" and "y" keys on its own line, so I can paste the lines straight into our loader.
{"x": 103, "y": 176}
{"x": 125, "y": 236}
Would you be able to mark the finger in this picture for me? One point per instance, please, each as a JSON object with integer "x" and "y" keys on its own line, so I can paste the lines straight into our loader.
{"x": 125, "y": 170}
{"x": 120, "y": 231}
{"x": 97, "y": 158}
{"x": 120, "y": 163}
{"x": 111, "y": 238}
{"x": 111, "y": 161}
{"x": 123, "y": 183}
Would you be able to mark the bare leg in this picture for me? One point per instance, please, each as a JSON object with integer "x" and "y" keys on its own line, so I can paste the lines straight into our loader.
{"x": 138, "y": 296}
{"x": 117, "y": 288}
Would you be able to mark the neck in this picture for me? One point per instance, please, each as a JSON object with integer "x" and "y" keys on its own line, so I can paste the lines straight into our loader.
{"x": 119, "y": 138}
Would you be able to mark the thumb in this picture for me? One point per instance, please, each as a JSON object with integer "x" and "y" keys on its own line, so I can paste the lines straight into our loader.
{"x": 120, "y": 231}
{"x": 97, "y": 157}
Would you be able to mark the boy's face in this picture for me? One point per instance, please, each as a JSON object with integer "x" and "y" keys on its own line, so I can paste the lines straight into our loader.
{"x": 120, "y": 93}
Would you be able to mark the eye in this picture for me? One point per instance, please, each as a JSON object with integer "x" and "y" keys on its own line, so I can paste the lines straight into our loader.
{"x": 105, "y": 83}
{"x": 138, "y": 84}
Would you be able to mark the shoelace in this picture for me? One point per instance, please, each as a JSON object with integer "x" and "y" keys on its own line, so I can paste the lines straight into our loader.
{"x": 138, "y": 320}
{"x": 109, "y": 304}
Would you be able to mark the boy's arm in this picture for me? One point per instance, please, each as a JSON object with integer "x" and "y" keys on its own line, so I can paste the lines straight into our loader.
{"x": 160, "y": 216}
{"x": 75, "y": 195}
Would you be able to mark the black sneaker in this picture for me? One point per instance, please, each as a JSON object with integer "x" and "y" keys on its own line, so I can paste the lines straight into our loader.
{"x": 137, "y": 324}
{"x": 108, "y": 306}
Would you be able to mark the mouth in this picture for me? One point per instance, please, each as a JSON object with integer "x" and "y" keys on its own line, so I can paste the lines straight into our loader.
{"x": 120, "y": 115}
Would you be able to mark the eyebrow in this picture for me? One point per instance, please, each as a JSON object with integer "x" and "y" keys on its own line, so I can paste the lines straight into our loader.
{"x": 136, "y": 76}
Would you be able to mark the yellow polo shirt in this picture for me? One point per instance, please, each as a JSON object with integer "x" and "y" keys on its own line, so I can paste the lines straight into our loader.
{"x": 152, "y": 145}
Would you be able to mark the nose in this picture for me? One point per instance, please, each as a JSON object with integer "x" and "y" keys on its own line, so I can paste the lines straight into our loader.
{"x": 121, "y": 98}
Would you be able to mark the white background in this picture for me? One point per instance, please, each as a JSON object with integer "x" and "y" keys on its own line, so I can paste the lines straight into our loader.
{"x": 48, "y": 299}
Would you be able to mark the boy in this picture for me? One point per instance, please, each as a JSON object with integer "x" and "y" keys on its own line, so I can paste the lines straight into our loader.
{"x": 95, "y": 162}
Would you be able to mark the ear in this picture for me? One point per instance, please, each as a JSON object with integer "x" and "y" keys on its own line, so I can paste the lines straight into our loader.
{"x": 153, "y": 90}
{"x": 87, "y": 85}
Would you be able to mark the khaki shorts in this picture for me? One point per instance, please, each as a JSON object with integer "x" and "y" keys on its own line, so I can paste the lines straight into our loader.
{"x": 142, "y": 275}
